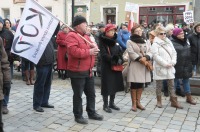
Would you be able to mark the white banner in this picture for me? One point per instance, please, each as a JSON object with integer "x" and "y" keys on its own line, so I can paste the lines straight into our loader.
{"x": 131, "y": 7}
{"x": 34, "y": 31}
{"x": 188, "y": 17}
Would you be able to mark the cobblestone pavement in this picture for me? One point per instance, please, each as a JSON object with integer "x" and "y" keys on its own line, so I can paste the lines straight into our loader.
{"x": 22, "y": 117}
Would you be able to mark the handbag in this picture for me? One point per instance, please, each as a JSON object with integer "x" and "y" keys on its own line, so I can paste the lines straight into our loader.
{"x": 116, "y": 67}
{"x": 149, "y": 65}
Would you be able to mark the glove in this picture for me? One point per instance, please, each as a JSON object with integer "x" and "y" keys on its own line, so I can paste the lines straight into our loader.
{"x": 149, "y": 66}
{"x": 143, "y": 61}
{"x": 6, "y": 88}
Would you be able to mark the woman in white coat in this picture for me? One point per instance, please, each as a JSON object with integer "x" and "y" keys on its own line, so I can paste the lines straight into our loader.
{"x": 164, "y": 56}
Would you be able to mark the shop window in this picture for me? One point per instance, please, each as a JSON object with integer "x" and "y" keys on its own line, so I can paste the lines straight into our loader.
{"x": 152, "y": 9}
{"x": 168, "y": 8}
{"x": 6, "y": 13}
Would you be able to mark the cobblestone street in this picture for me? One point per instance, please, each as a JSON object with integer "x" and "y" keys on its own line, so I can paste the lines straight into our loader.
{"x": 22, "y": 117}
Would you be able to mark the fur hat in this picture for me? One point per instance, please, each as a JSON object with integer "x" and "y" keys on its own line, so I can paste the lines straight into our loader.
{"x": 176, "y": 31}
{"x": 78, "y": 20}
{"x": 110, "y": 27}
{"x": 196, "y": 25}
{"x": 1, "y": 20}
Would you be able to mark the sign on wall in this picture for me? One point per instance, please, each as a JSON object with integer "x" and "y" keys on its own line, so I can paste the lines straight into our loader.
{"x": 188, "y": 17}
{"x": 131, "y": 7}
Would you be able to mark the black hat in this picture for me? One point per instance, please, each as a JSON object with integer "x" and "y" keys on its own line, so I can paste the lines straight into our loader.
{"x": 78, "y": 20}
{"x": 101, "y": 26}
{"x": 184, "y": 24}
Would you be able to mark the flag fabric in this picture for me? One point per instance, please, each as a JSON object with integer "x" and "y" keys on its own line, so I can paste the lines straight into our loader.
{"x": 131, "y": 21}
{"x": 34, "y": 31}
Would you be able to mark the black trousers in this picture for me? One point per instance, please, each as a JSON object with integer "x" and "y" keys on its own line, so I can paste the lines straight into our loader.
{"x": 80, "y": 85}
{"x": 1, "y": 122}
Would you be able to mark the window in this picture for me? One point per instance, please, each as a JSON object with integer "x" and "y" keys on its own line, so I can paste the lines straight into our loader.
{"x": 49, "y": 9}
{"x": 6, "y": 13}
{"x": 168, "y": 8}
{"x": 152, "y": 9}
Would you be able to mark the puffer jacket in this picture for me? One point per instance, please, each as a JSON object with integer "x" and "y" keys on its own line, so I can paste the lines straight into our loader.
{"x": 80, "y": 62}
{"x": 162, "y": 58}
{"x": 5, "y": 76}
{"x": 184, "y": 64}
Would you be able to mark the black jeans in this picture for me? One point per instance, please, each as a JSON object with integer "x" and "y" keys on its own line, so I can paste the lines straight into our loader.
{"x": 1, "y": 122}
{"x": 80, "y": 85}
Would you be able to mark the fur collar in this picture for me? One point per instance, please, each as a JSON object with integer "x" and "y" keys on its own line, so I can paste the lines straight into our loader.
{"x": 137, "y": 39}
{"x": 108, "y": 41}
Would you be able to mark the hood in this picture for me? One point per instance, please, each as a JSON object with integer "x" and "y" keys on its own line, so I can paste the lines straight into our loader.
{"x": 196, "y": 25}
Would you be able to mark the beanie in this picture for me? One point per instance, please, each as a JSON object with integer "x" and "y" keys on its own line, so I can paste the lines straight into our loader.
{"x": 78, "y": 20}
{"x": 1, "y": 20}
{"x": 110, "y": 27}
{"x": 176, "y": 31}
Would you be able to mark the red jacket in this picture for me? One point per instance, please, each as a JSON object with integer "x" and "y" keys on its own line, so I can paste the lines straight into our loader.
{"x": 79, "y": 58}
{"x": 62, "y": 49}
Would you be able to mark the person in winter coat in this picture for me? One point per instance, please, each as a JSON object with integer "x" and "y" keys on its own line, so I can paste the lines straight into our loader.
{"x": 138, "y": 74}
{"x": 81, "y": 58}
{"x": 194, "y": 40}
{"x": 122, "y": 36}
{"x": 62, "y": 52}
{"x": 111, "y": 54}
{"x": 164, "y": 56}
{"x": 5, "y": 79}
{"x": 183, "y": 66}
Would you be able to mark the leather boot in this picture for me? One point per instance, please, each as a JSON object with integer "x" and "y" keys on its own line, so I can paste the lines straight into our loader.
{"x": 32, "y": 77}
{"x": 27, "y": 77}
{"x": 190, "y": 100}
{"x": 159, "y": 102}
{"x": 139, "y": 94}
{"x": 105, "y": 105}
{"x": 174, "y": 103}
{"x": 134, "y": 99}
{"x": 112, "y": 104}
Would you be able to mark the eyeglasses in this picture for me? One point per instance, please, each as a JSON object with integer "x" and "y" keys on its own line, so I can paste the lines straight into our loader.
{"x": 162, "y": 34}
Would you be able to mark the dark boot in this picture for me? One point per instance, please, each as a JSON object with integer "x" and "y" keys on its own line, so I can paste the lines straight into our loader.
{"x": 139, "y": 94}
{"x": 174, "y": 103}
{"x": 112, "y": 104}
{"x": 32, "y": 77}
{"x": 105, "y": 105}
{"x": 134, "y": 99}
{"x": 159, "y": 102}
{"x": 27, "y": 77}
{"x": 179, "y": 93}
{"x": 190, "y": 100}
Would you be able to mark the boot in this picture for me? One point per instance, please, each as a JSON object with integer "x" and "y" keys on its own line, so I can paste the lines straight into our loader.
{"x": 32, "y": 77}
{"x": 27, "y": 77}
{"x": 105, "y": 105}
{"x": 189, "y": 99}
{"x": 134, "y": 99}
{"x": 179, "y": 93}
{"x": 112, "y": 104}
{"x": 139, "y": 93}
{"x": 174, "y": 103}
{"x": 159, "y": 102}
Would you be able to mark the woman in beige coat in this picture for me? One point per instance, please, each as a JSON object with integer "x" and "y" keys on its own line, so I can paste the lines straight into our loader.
{"x": 164, "y": 56}
{"x": 138, "y": 74}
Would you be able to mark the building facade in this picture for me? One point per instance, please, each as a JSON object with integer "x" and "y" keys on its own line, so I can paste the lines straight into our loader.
{"x": 96, "y": 11}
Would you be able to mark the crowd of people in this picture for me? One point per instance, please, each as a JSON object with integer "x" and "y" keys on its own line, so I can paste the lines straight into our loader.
{"x": 167, "y": 54}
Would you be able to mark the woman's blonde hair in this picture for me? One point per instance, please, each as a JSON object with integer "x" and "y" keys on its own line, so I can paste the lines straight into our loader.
{"x": 169, "y": 27}
{"x": 159, "y": 29}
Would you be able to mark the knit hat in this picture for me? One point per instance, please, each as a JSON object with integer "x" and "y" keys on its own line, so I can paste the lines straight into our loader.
{"x": 78, "y": 20}
{"x": 176, "y": 31}
{"x": 110, "y": 27}
{"x": 1, "y": 20}
{"x": 135, "y": 26}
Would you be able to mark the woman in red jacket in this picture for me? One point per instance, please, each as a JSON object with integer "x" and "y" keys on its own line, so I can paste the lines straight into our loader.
{"x": 61, "y": 53}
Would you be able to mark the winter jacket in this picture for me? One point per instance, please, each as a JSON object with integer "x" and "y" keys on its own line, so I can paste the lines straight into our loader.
{"x": 80, "y": 62}
{"x": 62, "y": 50}
{"x": 184, "y": 64}
{"x": 162, "y": 58}
{"x": 137, "y": 72}
{"x": 5, "y": 76}
{"x": 111, "y": 81}
{"x": 194, "y": 40}
{"x": 122, "y": 37}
